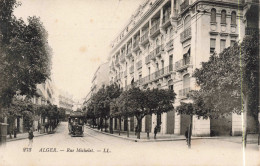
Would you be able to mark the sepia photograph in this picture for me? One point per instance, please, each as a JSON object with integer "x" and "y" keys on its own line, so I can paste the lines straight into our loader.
{"x": 129, "y": 83}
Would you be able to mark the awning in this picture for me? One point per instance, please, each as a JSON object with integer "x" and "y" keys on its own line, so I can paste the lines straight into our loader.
{"x": 186, "y": 50}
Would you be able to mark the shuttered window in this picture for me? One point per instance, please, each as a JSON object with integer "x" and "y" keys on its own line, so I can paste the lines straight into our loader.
{"x": 222, "y": 45}
{"x": 212, "y": 45}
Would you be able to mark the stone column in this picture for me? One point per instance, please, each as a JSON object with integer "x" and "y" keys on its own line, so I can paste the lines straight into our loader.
{"x": 143, "y": 124}
{"x": 236, "y": 124}
{"x": 21, "y": 125}
{"x": 200, "y": 127}
{"x": 154, "y": 122}
{"x": 164, "y": 123}
{"x": 177, "y": 124}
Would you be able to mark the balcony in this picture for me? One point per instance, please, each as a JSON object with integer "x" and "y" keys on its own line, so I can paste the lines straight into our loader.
{"x": 131, "y": 70}
{"x": 129, "y": 53}
{"x": 117, "y": 62}
{"x": 251, "y": 31}
{"x": 157, "y": 75}
{"x": 184, "y": 5}
{"x": 155, "y": 30}
{"x": 139, "y": 64}
{"x": 144, "y": 38}
{"x": 183, "y": 64}
{"x": 136, "y": 45}
{"x": 183, "y": 93}
{"x": 169, "y": 45}
{"x": 122, "y": 58}
{"x": 158, "y": 51}
{"x": 185, "y": 35}
{"x": 166, "y": 22}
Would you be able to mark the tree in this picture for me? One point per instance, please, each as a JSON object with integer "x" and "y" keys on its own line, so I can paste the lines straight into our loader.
{"x": 25, "y": 54}
{"x": 138, "y": 103}
{"x": 101, "y": 102}
{"x": 228, "y": 83}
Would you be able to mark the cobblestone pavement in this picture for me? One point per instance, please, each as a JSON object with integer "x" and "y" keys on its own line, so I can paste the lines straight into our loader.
{"x": 99, "y": 149}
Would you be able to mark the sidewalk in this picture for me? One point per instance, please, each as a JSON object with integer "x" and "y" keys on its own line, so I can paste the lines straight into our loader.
{"x": 251, "y": 139}
{"x": 21, "y": 136}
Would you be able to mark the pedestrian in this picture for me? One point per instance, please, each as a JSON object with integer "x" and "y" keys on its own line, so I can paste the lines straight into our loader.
{"x": 155, "y": 132}
{"x": 186, "y": 135}
{"x": 39, "y": 126}
{"x": 30, "y": 137}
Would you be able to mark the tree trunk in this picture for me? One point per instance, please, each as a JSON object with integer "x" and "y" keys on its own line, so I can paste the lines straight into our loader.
{"x": 244, "y": 123}
{"x": 119, "y": 125}
{"x": 190, "y": 131}
{"x": 139, "y": 123}
{"x": 111, "y": 125}
{"x": 127, "y": 127}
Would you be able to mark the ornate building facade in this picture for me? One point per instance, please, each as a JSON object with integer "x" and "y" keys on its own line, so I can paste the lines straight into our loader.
{"x": 166, "y": 40}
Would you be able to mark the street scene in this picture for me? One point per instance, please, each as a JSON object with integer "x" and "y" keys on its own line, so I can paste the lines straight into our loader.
{"x": 129, "y": 82}
{"x": 118, "y": 151}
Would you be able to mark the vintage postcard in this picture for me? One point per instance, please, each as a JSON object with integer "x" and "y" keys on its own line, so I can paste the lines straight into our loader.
{"x": 129, "y": 82}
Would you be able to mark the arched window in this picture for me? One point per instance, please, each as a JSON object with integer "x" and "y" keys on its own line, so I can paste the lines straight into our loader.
{"x": 213, "y": 15}
{"x": 223, "y": 17}
{"x": 187, "y": 22}
{"x": 233, "y": 18}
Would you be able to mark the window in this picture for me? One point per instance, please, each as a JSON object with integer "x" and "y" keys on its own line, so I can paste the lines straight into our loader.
{"x": 212, "y": 45}
{"x": 171, "y": 87}
{"x": 232, "y": 42}
{"x": 213, "y": 15}
{"x": 223, "y": 17}
{"x": 233, "y": 18}
{"x": 222, "y": 45}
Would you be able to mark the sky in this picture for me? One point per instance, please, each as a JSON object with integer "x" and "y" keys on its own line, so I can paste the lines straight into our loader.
{"x": 80, "y": 32}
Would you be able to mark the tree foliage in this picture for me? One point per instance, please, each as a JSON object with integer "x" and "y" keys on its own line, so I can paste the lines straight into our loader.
{"x": 228, "y": 82}
{"x": 24, "y": 54}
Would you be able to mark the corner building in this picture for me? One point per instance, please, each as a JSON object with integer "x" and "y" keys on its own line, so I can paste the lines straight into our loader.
{"x": 165, "y": 41}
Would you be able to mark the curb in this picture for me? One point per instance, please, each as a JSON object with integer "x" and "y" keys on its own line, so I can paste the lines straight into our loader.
{"x": 17, "y": 139}
{"x": 137, "y": 140}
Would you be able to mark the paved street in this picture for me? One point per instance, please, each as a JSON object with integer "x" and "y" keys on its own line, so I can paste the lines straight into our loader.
{"x": 122, "y": 152}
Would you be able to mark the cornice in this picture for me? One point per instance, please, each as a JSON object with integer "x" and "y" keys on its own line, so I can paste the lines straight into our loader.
{"x": 137, "y": 25}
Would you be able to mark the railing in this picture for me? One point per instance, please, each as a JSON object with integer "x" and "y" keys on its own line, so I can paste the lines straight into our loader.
{"x": 155, "y": 27}
{"x": 184, "y": 92}
{"x": 145, "y": 36}
{"x": 186, "y": 34}
{"x": 169, "y": 44}
{"x": 158, "y": 74}
{"x": 117, "y": 61}
{"x": 183, "y": 63}
{"x": 128, "y": 52}
{"x": 131, "y": 70}
{"x": 166, "y": 17}
{"x": 139, "y": 64}
{"x": 184, "y": 5}
{"x": 158, "y": 50}
{"x": 122, "y": 57}
{"x": 251, "y": 31}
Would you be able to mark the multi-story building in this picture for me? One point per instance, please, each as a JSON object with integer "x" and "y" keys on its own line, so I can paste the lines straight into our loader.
{"x": 166, "y": 40}
{"x": 100, "y": 78}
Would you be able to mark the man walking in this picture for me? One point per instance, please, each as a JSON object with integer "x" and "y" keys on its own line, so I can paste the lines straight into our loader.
{"x": 30, "y": 137}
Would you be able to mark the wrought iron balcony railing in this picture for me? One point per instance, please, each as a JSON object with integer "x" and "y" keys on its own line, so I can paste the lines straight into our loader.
{"x": 184, "y": 5}
{"x": 144, "y": 37}
{"x": 184, "y": 92}
{"x": 182, "y": 64}
{"x": 155, "y": 27}
{"x": 131, "y": 70}
{"x": 186, "y": 34}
